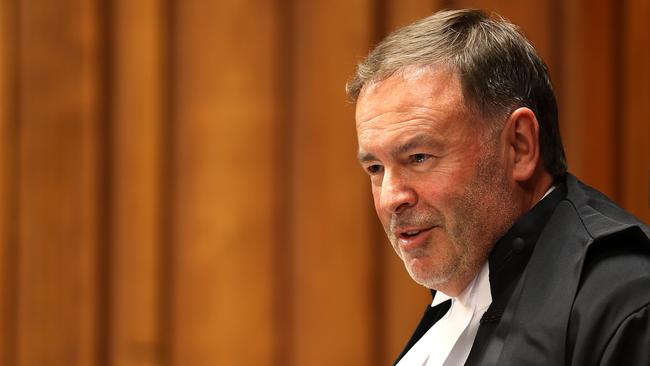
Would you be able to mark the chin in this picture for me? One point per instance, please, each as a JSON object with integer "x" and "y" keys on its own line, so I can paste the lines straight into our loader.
{"x": 424, "y": 273}
{"x": 431, "y": 282}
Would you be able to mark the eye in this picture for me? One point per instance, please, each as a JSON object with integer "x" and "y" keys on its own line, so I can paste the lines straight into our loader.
{"x": 374, "y": 169}
{"x": 419, "y": 158}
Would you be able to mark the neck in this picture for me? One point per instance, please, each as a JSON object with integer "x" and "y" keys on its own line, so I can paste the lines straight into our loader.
{"x": 455, "y": 288}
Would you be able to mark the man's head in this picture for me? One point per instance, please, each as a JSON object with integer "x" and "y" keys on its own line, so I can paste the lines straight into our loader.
{"x": 498, "y": 68}
{"x": 457, "y": 127}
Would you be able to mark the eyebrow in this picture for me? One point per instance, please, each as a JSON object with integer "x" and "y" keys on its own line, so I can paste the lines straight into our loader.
{"x": 365, "y": 157}
{"x": 412, "y": 143}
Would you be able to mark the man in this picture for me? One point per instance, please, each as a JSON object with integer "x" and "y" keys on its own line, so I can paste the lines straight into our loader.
{"x": 457, "y": 129}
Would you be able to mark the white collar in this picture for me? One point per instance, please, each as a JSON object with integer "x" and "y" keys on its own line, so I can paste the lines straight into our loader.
{"x": 449, "y": 340}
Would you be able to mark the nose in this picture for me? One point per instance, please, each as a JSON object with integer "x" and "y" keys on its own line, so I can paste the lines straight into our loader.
{"x": 396, "y": 193}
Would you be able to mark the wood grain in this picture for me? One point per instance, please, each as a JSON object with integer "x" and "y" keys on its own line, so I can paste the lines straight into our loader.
{"x": 8, "y": 182}
{"x": 334, "y": 255}
{"x": 635, "y": 110}
{"x": 137, "y": 118}
{"x": 587, "y": 104}
{"x": 224, "y": 172}
{"x": 59, "y": 147}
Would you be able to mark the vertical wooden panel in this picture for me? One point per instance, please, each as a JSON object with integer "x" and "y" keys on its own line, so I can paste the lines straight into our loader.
{"x": 635, "y": 109}
{"x": 334, "y": 256}
{"x": 587, "y": 103}
{"x": 58, "y": 176}
{"x": 224, "y": 170}
{"x": 137, "y": 118}
{"x": 8, "y": 181}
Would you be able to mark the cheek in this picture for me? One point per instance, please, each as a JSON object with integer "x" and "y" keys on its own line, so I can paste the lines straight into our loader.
{"x": 430, "y": 188}
{"x": 439, "y": 194}
{"x": 376, "y": 195}
{"x": 447, "y": 181}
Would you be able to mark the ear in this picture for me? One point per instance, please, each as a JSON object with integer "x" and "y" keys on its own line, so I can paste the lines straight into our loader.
{"x": 522, "y": 140}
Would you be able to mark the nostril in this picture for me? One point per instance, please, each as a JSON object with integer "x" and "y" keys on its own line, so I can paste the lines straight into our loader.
{"x": 401, "y": 207}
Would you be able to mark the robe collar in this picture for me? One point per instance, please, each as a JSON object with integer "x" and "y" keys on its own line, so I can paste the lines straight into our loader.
{"x": 511, "y": 253}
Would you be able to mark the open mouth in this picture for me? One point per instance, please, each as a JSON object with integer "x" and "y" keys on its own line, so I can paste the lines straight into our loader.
{"x": 412, "y": 233}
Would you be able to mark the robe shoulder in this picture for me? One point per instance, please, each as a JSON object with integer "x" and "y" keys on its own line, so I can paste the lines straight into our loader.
{"x": 610, "y": 318}
{"x": 630, "y": 344}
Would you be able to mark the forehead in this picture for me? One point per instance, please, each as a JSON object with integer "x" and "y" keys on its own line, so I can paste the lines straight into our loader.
{"x": 415, "y": 83}
{"x": 428, "y": 98}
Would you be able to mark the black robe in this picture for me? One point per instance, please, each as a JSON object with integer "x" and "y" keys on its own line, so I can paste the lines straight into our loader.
{"x": 570, "y": 285}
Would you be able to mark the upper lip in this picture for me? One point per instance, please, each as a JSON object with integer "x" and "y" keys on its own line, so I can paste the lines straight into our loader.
{"x": 401, "y": 231}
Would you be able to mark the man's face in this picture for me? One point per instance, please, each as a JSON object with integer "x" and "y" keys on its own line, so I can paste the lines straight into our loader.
{"x": 439, "y": 183}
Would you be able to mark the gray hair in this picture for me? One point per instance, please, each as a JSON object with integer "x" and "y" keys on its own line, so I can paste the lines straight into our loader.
{"x": 498, "y": 68}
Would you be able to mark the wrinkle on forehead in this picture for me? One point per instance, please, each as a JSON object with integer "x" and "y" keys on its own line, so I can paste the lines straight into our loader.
{"x": 407, "y": 127}
{"x": 408, "y": 73}
{"x": 419, "y": 92}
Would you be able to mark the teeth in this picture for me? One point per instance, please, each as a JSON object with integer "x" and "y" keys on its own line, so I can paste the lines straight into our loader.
{"x": 412, "y": 232}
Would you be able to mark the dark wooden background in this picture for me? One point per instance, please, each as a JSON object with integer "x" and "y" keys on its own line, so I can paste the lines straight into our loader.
{"x": 178, "y": 183}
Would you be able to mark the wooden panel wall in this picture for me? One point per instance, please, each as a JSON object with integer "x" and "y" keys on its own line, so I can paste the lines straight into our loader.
{"x": 178, "y": 183}
{"x": 330, "y": 235}
{"x": 223, "y": 175}
{"x": 634, "y": 108}
{"x": 8, "y": 182}
{"x": 59, "y": 167}
{"x": 137, "y": 100}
